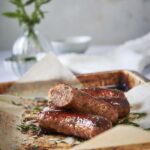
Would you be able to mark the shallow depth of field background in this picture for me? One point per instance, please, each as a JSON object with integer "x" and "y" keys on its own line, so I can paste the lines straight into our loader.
{"x": 107, "y": 21}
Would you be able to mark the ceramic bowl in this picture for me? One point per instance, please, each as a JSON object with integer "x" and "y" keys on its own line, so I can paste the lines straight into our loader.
{"x": 78, "y": 44}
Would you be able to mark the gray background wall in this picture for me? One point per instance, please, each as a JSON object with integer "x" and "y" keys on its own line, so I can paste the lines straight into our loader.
{"x": 107, "y": 21}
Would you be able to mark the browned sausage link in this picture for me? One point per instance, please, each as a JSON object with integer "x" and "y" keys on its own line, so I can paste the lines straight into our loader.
{"x": 122, "y": 105}
{"x": 64, "y": 96}
{"x": 101, "y": 92}
{"x": 80, "y": 125}
{"x": 114, "y": 97}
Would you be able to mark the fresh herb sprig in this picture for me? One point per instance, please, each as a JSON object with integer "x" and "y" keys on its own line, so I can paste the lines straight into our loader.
{"x": 25, "y": 18}
{"x": 25, "y": 128}
{"x": 129, "y": 120}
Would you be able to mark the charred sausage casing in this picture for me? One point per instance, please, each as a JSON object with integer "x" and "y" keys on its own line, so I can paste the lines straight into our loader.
{"x": 115, "y": 97}
{"x": 80, "y": 125}
{"x": 64, "y": 96}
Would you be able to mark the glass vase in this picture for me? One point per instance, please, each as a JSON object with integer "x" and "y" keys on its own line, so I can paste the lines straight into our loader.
{"x": 27, "y": 50}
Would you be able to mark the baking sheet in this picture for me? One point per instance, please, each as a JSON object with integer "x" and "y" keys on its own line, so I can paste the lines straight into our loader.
{"x": 118, "y": 136}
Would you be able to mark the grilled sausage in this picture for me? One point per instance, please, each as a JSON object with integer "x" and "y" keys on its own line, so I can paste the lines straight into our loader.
{"x": 101, "y": 92}
{"x": 64, "y": 96}
{"x": 80, "y": 125}
{"x": 115, "y": 97}
{"x": 121, "y": 105}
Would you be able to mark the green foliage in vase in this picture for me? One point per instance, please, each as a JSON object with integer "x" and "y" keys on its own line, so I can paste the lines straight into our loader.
{"x": 22, "y": 15}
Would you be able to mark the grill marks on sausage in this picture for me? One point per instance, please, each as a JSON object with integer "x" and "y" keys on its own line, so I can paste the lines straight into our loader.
{"x": 66, "y": 97}
{"x": 80, "y": 125}
{"x": 114, "y": 97}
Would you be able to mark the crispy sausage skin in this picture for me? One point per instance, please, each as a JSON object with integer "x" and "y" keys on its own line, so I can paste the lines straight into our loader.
{"x": 122, "y": 105}
{"x": 101, "y": 92}
{"x": 64, "y": 96}
{"x": 115, "y": 97}
{"x": 80, "y": 125}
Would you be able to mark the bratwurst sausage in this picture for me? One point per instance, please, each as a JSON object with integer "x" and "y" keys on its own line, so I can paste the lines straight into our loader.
{"x": 80, "y": 125}
{"x": 115, "y": 97}
{"x": 64, "y": 96}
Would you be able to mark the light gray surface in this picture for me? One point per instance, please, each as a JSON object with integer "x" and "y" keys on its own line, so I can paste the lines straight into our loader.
{"x": 107, "y": 21}
{"x": 6, "y": 73}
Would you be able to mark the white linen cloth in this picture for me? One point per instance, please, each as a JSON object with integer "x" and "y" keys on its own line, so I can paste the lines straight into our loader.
{"x": 132, "y": 55}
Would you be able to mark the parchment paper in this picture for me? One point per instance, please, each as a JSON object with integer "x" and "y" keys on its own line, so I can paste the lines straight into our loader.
{"x": 10, "y": 137}
{"x": 42, "y": 76}
{"x": 117, "y": 136}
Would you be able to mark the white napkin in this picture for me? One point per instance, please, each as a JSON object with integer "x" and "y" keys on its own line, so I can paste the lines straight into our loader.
{"x": 133, "y": 55}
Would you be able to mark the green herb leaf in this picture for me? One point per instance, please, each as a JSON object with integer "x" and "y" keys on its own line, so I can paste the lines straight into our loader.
{"x": 11, "y": 14}
{"x": 29, "y": 58}
{"x": 16, "y": 2}
{"x": 28, "y": 19}
{"x": 137, "y": 115}
{"x": 29, "y": 2}
{"x": 25, "y": 128}
{"x": 132, "y": 117}
{"x": 45, "y": 1}
{"x": 15, "y": 58}
{"x": 147, "y": 129}
{"x": 131, "y": 123}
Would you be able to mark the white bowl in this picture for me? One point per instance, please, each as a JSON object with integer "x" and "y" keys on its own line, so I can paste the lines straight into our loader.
{"x": 76, "y": 44}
